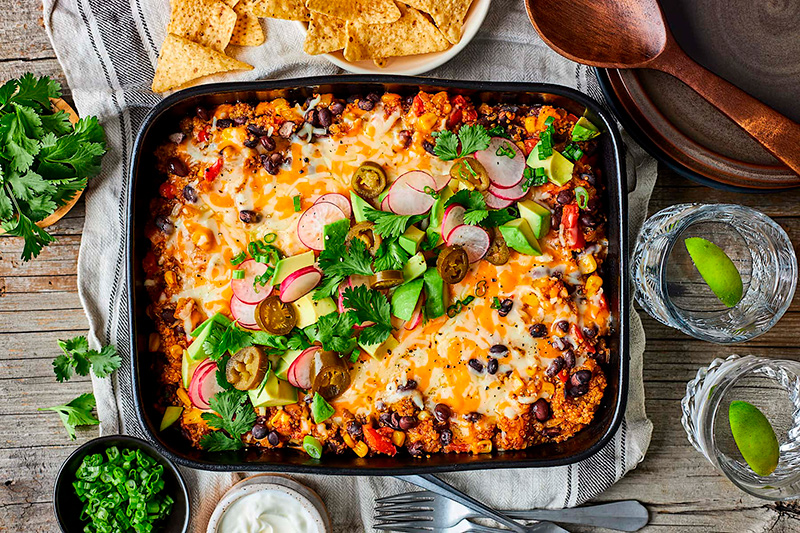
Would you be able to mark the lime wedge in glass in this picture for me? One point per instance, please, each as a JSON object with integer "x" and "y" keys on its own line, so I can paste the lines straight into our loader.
{"x": 717, "y": 270}
{"x": 754, "y": 437}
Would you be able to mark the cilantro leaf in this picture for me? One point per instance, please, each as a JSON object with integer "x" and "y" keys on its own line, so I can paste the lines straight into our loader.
{"x": 78, "y": 412}
{"x": 498, "y": 217}
{"x": 19, "y": 133}
{"x": 105, "y": 361}
{"x": 334, "y": 331}
{"x": 217, "y": 441}
{"x": 62, "y": 366}
{"x": 223, "y": 339}
{"x": 370, "y": 306}
{"x": 78, "y": 357}
{"x": 446, "y": 147}
{"x": 389, "y": 225}
{"x": 472, "y": 137}
{"x": 232, "y": 414}
{"x": 337, "y": 262}
{"x": 262, "y": 338}
{"x": 475, "y": 216}
{"x": 298, "y": 341}
{"x": 35, "y": 92}
{"x": 468, "y": 199}
{"x": 390, "y": 256}
{"x": 35, "y": 237}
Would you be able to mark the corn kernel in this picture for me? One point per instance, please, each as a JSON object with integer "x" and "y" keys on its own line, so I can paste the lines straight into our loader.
{"x": 483, "y": 446}
{"x": 154, "y": 342}
{"x": 548, "y": 389}
{"x": 276, "y": 418}
{"x": 530, "y": 371}
{"x": 348, "y": 440}
{"x": 423, "y": 415}
{"x": 261, "y": 411}
{"x": 398, "y": 438}
{"x": 587, "y": 264}
{"x": 169, "y": 277}
{"x": 176, "y": 351}
{"x": 530, "y": 124}
{"x": 593, "y": 284}
{"x": 184, "y": 397}
{"x": 194, "y": 416}
{"x": 427, "y": 121}
{"x": 361, "y": 449}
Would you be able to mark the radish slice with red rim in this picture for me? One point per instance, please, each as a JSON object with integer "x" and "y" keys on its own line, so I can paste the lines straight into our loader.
{"x": 512, "y": 193}
{"x": 405, "y": 199}
{"x": 299, "y": 283}
{"x": 473, "y": 239}
{"x": 314, "y": 220}
{"x": 385, "y": 204}
{"x": 416, "y": 315}
{"x": 244, "y": 288}
{"x": 493, "y": 202}
{"x": 339, "y": 200}
{"x": 453, "y": 217}
{"x": 203, "y": 384}
{"x": 419, "y": 180}
{"x": 504, "y": 171}
{"x": 245, "y": 314}
{"x": 299, "y": 373}
{"x": 441, "y": 181}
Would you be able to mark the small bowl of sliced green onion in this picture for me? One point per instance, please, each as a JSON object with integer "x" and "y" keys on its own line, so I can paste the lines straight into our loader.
{"x": 120, "y": 483}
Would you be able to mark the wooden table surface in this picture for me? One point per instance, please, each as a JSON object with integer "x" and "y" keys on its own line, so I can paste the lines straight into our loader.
{"x": 39, "y": 304}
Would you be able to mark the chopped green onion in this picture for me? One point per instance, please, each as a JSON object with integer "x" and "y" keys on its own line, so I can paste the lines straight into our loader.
{"x": 254, "y": 248}
{"x": 312, "y": 446}
{"x": 297, "y": 205}
{"x": 480, "y": 288}
{"x": 269, "y": 238}
{"x": 496, "y": 302}
{"x": 238, "y": 258}
{"x": 261, "y": 258}
{"x": 237, "y": 274}
{"x": 539, "y": 172}
{"x": 431, "y": 192}
{"x": 505, "y": 150}
{"x": 577, "y": 153}
{"x": 582, "y": 197}
{"x": 549, "y": 120}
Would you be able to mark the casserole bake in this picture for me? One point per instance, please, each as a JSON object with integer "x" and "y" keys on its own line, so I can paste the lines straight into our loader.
{"x": 609, "y": 409}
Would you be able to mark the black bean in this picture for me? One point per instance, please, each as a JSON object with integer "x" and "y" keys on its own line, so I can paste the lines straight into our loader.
{"x": 224, "y": 123}
{"x": 325, "y": 117}
{"x": 201, "y": 113}
{"x": 408, "y": 101}
{"x": 366, "y": 105}
{"x": 409, "y": 385}
{"x": 569, "y": 358}
{"x": 551, "y": 432}
{"x": 251, "y": 142}
{"x": 556, "y": 366}
{"x": 312, "y": 117}
{"x": 240, "y": 120}
{"x": 168, "y": 315}
{"x": 164, "y": 224}
{"x": 354, "y": 429}
{"x": 589, "y": 178}
{"x": 374, "y": 98}
{"x": 557, "y": 211}
{"x": 248, "y": 217}
{"x": 541, "y": 410}
{"x": 563, "y": 325}
{"x": 472, "y": 417}
{"x": 177, "y": 167}
{"x": 476, "y": 365}
{"x": 492, "y": 366}
{"x": 588, "y": 220}
{"x": 499, "y": 350}
{"x": 591, "y": 332}
{"x": 256, "y": 130}
{"x": 593, "y": 204}
{"x": 286, "y": 130}
{"x": 428, "y": 146}
{"x": 273, "y": 438}
{"x": 336, "y": 108}
{"x": 578, "y": 390}
{"x": 269, "y": 165}
{"x": 505, "y": 307}
{"x": 415, "y": 448}
{"x": 581, "y": 377}
{"x": 559, "y": 343}
{"x": 538, "y": 330}
{"x": 268, "y": 143}
{"x": 189, "y": 194}
{"x": 352, "y": 98}
{"x": 259, "y": 431}
{"x": 564, "y": 197}
{"x": 442, "y": 412}
{"x": 446, "y": 437}
{"x": 407, "y": 422}
{"x": 385, "y": 419}
{"x": 405, "y": 137}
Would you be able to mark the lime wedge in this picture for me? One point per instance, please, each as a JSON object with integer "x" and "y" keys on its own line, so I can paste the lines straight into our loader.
{"x": 754, "y": 436}
{"x": 717, "y": 269}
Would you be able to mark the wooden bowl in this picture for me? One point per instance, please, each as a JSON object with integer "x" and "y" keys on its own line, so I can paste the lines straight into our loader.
{"x": 60, "y": 105}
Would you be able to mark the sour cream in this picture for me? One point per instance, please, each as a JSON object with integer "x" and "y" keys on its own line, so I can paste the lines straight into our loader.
{"x": 267, "y": 511}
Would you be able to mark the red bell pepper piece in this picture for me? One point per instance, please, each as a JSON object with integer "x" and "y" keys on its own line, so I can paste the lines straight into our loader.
{"x": 563, "y": 375}
{"x": 202, "y": 135}
{"x": 167, "y": 190}
{"x": 570, "y": 227}
{"x": 573, "y": 329}
{"x": 378, "y": 442}
{"x": 213, "y": 171}
{"x": 454, "y": 118}
{"x": 418, "y": 107}
{"x": 528, "y": 145}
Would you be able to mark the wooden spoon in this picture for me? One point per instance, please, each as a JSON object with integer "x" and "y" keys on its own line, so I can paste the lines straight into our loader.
{"x": 633, "y": 34}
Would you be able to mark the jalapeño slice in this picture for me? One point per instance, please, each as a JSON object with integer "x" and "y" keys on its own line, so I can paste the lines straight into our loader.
{"x": 275, "y": 316}
{"x": 369, "y": 180}
{"x": 246, "y": 368}
{"x": 365, "y": 232}
{"x": 386, "y": 279}
{"x": 452, "y": 264}
{"x": 471, "y": 173}
{"x": 331, "y": 375}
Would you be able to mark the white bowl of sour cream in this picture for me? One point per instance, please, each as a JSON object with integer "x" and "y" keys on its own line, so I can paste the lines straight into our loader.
{"x": 269, "y": 504}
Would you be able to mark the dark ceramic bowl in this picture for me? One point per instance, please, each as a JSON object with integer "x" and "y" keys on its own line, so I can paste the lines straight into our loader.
{"x": 68, "y": 506}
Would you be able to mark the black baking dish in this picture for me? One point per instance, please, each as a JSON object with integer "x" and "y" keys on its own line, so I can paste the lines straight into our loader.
{"x": 144, "y": 181}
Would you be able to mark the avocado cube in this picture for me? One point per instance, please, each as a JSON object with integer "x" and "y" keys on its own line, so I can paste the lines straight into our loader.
{"x": 557, "y": 167}
{"x": 405, "y": 298}
{"x": 437, "y": 211}
{"x": 435, "y": 293}
{"x": 537, "y": 216}
{"x": 286, "y": 360}
{"x": 196, "y": 352}
{"x": 275, "y": 392}
{"x": 415, "y": 267}
{"x": 411, "y": 239}
{"x": 187, "y": 368}
{"x": 380, "y": 350}
{"x": 309, "y": 310}
{"x": 519, "y": 236}
{"x": 291, "y": 264}
{"x": 359, "y": 205}
{"x": 335, "y": 231}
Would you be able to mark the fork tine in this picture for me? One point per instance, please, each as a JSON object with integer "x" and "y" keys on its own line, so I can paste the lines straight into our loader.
{"x": 409, "y": 497}
{"x": 405, "y": 527}
{"x": 392, "y": 507}
{"x": 403, "y": 516}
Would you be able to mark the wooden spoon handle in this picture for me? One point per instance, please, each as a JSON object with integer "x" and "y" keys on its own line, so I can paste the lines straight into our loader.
{"x": 779, "y": 134}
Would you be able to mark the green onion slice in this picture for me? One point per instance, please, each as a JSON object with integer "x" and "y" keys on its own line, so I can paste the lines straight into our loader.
{"x": 238, "y": 258}
{"x": 312, "y": 446}
{"x": 297, "y": 205}
{"x": 269, "y": 238}
{"x": 582, "y": 197}
{"x": 237, "y": 274}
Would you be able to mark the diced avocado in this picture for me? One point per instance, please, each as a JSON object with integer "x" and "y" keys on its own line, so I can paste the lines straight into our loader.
{"x": 291, "y": 264}
{"x": 358, "y": 204}
{"x": 405, "y": 299}
{"x": 201, "y": 333}
{"x": 187, "y": 368}
{"x": 171, "y": 415}
{"x": 437, "y": 211}
{"x": 435, "y": 293}
{"x": 519, "y": 236}
{"x": 309, "y": 310}
{"x": 584, "y": 122}
{"x": 379, "y": 351}
{"x": 537, "y": 216}
{"x": 584, "y": 130}
{"x": 411, "y": 239}
{"x": 286, "y": 360}
{"x": 275, "y": 392}
{"x": 557, "y": 167}
{"x": 335, "y": 230}
{"x": 414, "y": 267}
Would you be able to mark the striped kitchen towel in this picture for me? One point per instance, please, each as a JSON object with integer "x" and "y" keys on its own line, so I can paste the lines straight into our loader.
{"x": 108, "y": 49}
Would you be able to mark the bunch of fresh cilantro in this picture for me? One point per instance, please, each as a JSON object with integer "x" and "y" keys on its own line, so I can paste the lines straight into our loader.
{"x": 44, "y": 159}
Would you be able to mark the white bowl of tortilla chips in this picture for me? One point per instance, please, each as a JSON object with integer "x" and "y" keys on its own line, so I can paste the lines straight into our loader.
{"x": 387, "y": 37}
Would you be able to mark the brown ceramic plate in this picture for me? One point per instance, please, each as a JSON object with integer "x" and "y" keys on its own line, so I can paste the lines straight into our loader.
{"x": 755, "y": 46}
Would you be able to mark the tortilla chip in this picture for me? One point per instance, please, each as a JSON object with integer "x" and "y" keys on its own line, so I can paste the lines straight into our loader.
{"x": 182, "y": 61}
{"x": 325, "y": 34}
{"x": 365, "y": 11}
{"x": 248, "y": 31}
{"x": 412, "y": 34}
{"x": 281, "y": 9}
{"x": 231, "y": 3}
{"x": 207, "y": 22}
{"x": 448, "y": 15}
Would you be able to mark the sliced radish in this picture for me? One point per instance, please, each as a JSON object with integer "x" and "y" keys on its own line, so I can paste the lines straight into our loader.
{"x": 419, "y": 180}
{"x": 453, "y": 217}
{"x": 339, "y": 200}
{"x": 244, "y": 288}
{"x": 299, "y": 373}
{"x": 503, "y": 171}
{"x": 441, "y": 181}
{"x": 512, "y": 193}
{"x": 406, "y": 200}
{"x": 299, "y": 283}
{"x": 245, "y": 314}
{"x": 473, "y": 239}
{"x": 385, "y": 204}
{"x": 203, "y": 384}
{"x": 493, "y": 202}
{"x": 416, "y": 315}
{"x": 312, "y": 222}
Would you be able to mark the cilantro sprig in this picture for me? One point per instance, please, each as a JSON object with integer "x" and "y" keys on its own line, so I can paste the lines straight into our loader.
{"x": 44, "y": 159}
{"x": 233, "y": 416}
{"x": 471, "y": 138}
{"x": 369, "y": 306}
{"x": 389, "y": 225}
{"x": 223, "y": 339}
{"x": 338, "y": 261}
{"x": 477, "y": 212}
{"x": 334, "y": 331}
{"x": 390, "y": 256}
{"x": 77, "y": 412}
{"x": 79, "y": 359}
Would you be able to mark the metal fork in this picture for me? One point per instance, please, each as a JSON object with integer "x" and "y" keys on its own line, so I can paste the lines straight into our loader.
{"x": 434, "y": 511}
{"x": 465, "y": 526}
